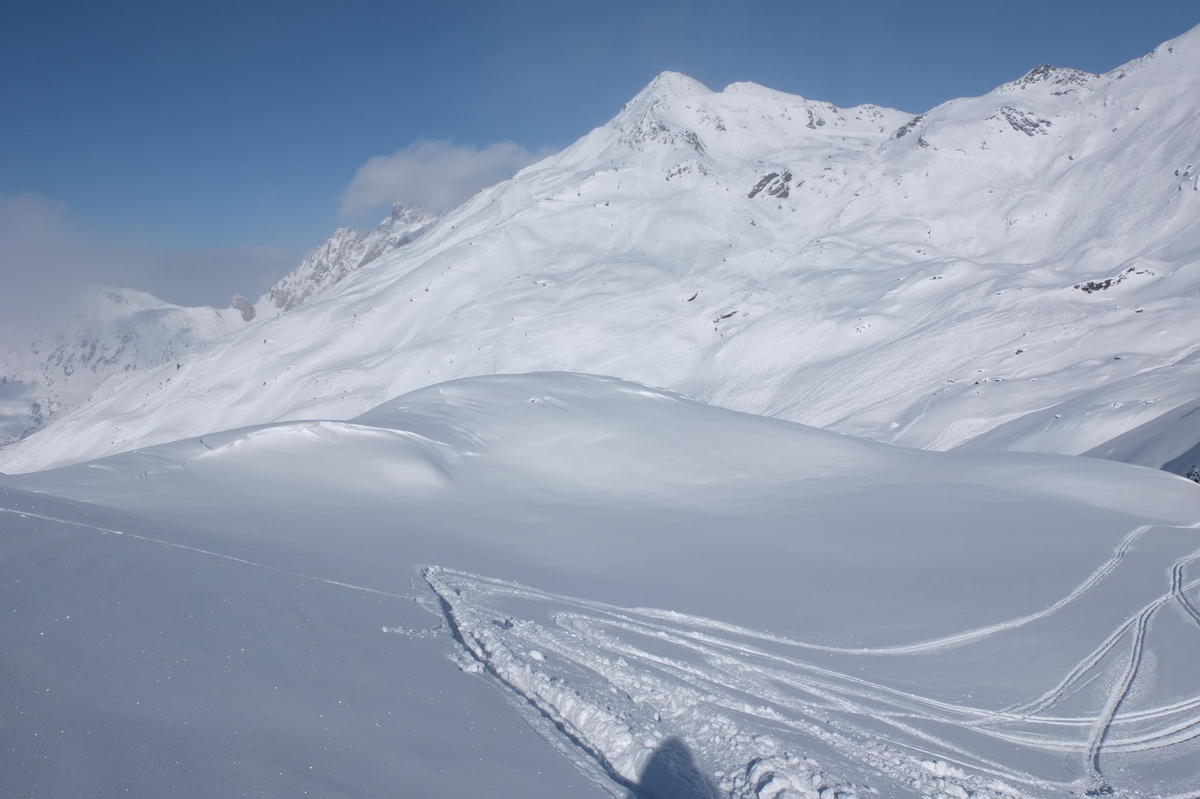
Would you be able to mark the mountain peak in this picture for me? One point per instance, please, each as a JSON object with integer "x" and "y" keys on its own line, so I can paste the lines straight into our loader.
{"x": 671, "y": 84}
{"x": 647, "y": 117}
{"x": 343, "y": 253}
{"x": 406, "y": 214}
{"x": 1051, "y": 79}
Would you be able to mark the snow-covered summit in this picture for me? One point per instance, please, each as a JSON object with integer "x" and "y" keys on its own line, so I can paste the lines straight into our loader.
{"x": 1015, "y": 270}
{"x": 1047, "y": 79}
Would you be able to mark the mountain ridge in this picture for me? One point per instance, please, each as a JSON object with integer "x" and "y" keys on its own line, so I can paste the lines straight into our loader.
{"x": 119, "y": 330}
{"x": 921, "y": 280}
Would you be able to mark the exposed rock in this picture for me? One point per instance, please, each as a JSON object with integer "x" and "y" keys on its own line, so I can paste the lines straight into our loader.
{"x": 243, "y": 306}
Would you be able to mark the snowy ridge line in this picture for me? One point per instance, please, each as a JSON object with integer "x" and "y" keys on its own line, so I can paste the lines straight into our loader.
{"x": 743, "y": 692}
{"x": 210, "y": 553}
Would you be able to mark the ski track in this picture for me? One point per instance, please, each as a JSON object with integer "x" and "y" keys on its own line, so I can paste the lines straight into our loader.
{"x": 622, "y": 680}
{"x": 592, "y": 686}
{"x": 210, "y": 553}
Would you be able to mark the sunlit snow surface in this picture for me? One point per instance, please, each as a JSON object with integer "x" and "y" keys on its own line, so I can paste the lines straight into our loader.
{"x": 683, "y": 600}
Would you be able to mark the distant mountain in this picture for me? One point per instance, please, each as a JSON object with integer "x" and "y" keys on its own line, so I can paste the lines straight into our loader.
{"x": 115, "y": 331}
{"x": 118, "y": 331}
{"x": 344, "y": 252}
{"x": 1011, "y": 271}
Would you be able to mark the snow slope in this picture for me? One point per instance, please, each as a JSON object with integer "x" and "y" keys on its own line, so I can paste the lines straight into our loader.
{"x": 685, "y": 601}
{"x": 1017, "y": 270}
{"x": 134, "y": 668}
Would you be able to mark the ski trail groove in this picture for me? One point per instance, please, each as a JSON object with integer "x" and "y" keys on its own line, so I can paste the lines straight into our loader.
{"x": 742, "y": 702}
{"x": 207, "y": 552}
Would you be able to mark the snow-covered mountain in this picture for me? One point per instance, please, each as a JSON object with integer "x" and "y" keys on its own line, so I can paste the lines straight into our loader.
{"x": 344, "y": 252}
{"x": 117, "y": 331}
{"x": 114, "y": 331}
{"x": 1017, "y": 270}
{"x": 324, "y": 567}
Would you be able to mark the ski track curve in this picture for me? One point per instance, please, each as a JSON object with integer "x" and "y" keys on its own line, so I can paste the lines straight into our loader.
{"x": 759, "y": 710}
{"x": 605, "y": 685}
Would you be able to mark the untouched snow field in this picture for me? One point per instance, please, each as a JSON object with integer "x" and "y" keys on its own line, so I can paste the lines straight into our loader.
{"x": 683, "y": 600}
{"x": 1014, "y": 271}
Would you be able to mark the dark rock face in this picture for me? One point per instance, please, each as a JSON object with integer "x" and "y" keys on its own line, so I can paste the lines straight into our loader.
{"x": 243, "y": 306}
{"x": 774, "y": 184}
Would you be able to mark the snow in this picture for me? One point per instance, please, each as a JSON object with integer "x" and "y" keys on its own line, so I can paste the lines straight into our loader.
{"x": 1157, "y": 442}
{"x": 927, "y": 281}
{"x": 343, "y": 253}
{"x": 825, "y": 534}
{"x": 134, "y": 668}
{"x": 646, "y": 577}
{"x": 114, "y": 331}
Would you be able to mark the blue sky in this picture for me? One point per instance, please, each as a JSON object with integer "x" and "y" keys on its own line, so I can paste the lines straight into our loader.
{"x": 199, "y": 148}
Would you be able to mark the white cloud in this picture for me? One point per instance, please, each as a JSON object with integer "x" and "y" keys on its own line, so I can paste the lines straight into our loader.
{"x": 434, "y": 175}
